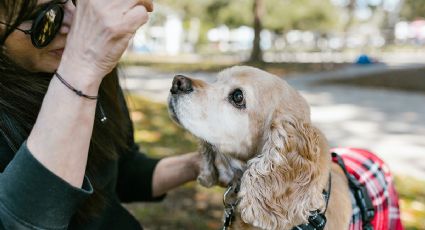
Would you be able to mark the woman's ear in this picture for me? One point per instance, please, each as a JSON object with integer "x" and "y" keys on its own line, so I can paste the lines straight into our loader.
{"x": 287, "y": 163}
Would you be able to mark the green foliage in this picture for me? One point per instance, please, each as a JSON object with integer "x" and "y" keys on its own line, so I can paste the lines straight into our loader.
{"x": 300, "y": 14}
{"x": 282, "y": 15}
{"x": 278, "y": 15}
{"x": 235, "y": 13}
{"x": 413, "y": 9}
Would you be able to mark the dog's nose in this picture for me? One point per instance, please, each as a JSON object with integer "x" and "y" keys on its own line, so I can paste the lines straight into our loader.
{"x": 181, "y": 84}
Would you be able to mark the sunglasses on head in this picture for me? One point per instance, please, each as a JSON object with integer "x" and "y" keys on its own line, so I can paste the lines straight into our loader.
{"x": 46, "y": 23}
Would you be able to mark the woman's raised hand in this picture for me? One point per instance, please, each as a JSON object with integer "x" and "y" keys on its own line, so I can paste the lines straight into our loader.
{"x": 100, "y": 33}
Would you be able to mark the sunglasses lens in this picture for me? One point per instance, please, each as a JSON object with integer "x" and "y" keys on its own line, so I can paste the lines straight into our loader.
{"x": 46, "y": 26}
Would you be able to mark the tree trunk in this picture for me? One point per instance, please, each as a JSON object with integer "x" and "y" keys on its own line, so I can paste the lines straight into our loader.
{"x": 257, "y": 53}
{"x": 351, "y": 7}
{"x": 391, "y": 19}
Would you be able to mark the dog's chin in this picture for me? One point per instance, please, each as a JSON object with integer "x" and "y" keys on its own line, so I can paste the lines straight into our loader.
{"x": 172, "y": 111}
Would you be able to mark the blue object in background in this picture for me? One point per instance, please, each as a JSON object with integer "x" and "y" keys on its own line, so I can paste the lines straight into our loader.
{"x": 364, "y": 60}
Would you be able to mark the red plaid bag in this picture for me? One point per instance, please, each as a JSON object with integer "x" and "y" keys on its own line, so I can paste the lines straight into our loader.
{"x": 371, "y": 171}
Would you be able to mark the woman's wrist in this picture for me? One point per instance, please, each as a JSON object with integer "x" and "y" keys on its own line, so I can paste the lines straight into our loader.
{"x": 194, "y": 164}
{"x": 79, "y": 78}
{"x": 174, "y": 171}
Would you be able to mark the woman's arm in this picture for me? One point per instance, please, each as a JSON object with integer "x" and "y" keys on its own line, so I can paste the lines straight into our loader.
{"x": 61, "y": 135}
{"x": 142, "y": 178}
{"x": 174, "y": 171}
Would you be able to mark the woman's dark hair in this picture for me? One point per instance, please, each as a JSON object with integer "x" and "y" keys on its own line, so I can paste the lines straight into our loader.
{"x": 22, "y": 94}
{"x": 13, "y": 13}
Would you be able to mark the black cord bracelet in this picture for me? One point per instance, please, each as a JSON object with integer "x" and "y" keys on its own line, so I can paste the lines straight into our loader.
{"x": 78, "y": 92}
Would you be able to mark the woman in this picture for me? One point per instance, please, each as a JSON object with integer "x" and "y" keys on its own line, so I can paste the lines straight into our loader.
{"x": 67, "y": 153}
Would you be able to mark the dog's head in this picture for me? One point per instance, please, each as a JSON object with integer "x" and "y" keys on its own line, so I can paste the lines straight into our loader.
{"x": 234, "y": 112}
{"x": 257, "y": 117}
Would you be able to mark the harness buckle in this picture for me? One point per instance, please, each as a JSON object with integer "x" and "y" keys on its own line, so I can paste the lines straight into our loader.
{"x": 230, "y": 201}
{"x": 318, "y": 221}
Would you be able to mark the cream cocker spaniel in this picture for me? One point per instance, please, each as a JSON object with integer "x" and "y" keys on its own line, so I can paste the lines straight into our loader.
{"x": 256, "y": 129}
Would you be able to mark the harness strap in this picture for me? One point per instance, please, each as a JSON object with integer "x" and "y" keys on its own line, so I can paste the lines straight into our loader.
{"x": 360, "y": 194}
{"x": 317, "y": 220}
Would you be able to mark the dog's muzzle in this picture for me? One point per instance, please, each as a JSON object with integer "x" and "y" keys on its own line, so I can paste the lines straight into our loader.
{"x": 181, "y": 85}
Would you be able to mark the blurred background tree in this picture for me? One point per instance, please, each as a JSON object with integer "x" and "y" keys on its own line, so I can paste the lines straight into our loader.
{"x": 275, "y": 15}
{"x": 413, "y": 9}
{"x": 332, "y": 25}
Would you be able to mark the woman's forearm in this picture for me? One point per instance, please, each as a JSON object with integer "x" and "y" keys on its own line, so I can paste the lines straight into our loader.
{"x": 61, "y": 136}
{"x": 172, "y": 172}
{"x": 95, "y": 42}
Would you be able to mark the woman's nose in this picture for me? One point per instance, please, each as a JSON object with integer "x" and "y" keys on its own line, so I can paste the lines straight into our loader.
{"x": 69, "y": 10}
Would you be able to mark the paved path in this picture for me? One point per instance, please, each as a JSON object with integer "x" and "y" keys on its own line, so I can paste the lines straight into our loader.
{"x": 390, "y": 123}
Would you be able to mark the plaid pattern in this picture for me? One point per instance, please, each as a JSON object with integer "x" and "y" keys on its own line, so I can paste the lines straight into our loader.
{"x": 370, "y": 170}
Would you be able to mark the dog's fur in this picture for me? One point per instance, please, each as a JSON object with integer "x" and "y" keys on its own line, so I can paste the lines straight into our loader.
{"x": 282, "y": 160}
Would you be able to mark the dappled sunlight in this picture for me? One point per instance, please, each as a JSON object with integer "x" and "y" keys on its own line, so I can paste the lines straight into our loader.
{"x": 156, "y": 133}
{"x": 387, "y": 122}
{"x": 412, "y": 201}
{"x": 333, "y": 113}
{"x": 147, "y": 136}
{"x": 136, "y": 116}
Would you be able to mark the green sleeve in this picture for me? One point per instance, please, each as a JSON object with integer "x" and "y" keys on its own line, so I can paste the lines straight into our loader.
{"x": 135, "y": 170}
{"x": 32, "y": 197}
{"x": 135, "y": 177}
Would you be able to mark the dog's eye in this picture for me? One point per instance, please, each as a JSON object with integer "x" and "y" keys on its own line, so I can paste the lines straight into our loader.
{"x": 237, "y": 98}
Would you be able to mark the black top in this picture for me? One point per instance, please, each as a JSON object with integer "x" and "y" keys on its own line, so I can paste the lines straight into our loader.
{"x": 32, "y": 197}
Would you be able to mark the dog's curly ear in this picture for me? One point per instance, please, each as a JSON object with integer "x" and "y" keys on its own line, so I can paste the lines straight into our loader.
{"x": 286, "y": 165}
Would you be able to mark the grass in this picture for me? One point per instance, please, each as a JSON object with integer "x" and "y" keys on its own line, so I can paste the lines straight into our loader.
{"x": 412, "y": 201}
{"x": 193, "y": 207}
{"x": 155, "y": 132}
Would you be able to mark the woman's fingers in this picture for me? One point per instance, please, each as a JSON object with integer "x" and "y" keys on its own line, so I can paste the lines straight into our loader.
{"x": 101, "y": 31}
{"x": 148, "y": 4}
{"x": 136, "y": 17}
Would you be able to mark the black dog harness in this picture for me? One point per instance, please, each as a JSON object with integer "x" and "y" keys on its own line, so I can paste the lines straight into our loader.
{"x": 317, "y": 220}
{"x": 359, "y": 191}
